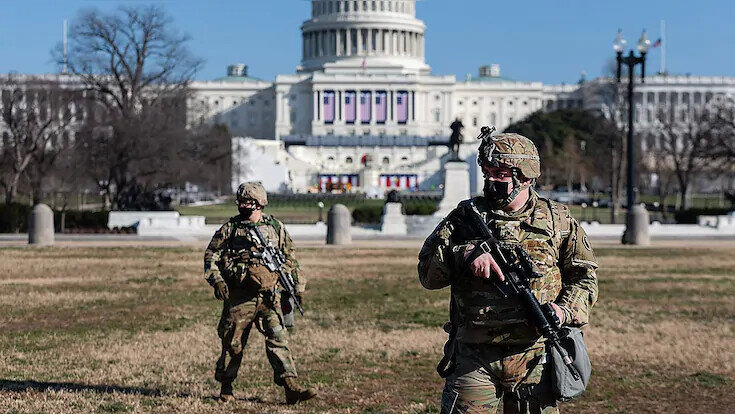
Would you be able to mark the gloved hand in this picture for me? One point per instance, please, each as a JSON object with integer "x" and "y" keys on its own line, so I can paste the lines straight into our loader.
{"x": 220, "y": 291}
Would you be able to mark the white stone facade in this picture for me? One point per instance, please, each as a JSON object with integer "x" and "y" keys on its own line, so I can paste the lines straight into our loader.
{"x": 363, "y": 91}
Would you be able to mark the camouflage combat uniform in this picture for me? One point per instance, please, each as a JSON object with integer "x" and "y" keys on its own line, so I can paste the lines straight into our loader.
{"x": 497, "y": 351}
{"x": 253, "y": 299}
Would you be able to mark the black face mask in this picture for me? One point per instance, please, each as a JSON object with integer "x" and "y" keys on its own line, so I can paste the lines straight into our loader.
{"x": 495, "y": 191}
{"x": 245, "y": 212}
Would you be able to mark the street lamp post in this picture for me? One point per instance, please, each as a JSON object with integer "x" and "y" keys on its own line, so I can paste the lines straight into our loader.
{"x": 636, "y": 226}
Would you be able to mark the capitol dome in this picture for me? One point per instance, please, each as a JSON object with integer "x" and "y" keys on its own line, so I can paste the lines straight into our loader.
{"x": 363, "y": 35}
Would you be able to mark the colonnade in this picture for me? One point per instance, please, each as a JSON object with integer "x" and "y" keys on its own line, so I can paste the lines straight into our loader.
{"x": 363, "y": 41}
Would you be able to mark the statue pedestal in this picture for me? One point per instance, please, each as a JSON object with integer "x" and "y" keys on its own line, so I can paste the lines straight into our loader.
{"x": 456, "y": 186}
{"x": 393, "y": 221}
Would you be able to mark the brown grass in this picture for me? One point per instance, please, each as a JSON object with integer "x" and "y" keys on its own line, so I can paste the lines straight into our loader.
{"x": 133, "y": 330}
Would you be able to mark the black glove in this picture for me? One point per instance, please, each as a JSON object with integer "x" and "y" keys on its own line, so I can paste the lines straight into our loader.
{"x": 220, "y": 291}
{"x": 300, "y": 298}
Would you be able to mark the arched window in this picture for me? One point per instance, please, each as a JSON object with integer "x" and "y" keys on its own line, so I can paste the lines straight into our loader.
{"x": 330, "y": 159}
{"x": 348, "y": 160}
{"x": 386, "y": 160}
{"x": 404, "y": 159}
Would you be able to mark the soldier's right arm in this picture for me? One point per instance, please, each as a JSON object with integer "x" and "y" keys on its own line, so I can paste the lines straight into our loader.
{"x": 213, "y": 254}
{"x": 435, "y": 266}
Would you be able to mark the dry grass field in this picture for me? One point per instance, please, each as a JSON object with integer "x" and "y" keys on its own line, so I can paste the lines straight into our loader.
{"x": 115, "y": 330}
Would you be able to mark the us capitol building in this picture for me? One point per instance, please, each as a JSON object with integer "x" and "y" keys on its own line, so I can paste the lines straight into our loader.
{"x": 363, "y": 112}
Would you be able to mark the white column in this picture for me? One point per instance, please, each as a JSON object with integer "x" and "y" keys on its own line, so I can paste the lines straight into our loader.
{"x": 372, "y": 108}
{"x": 348, "y": 41}
{"x": 359, "y": 42}
{"x": 409, "y": 108}
{"x": 370, "y": 41}
{"x": 394, "y": 46}
{"x": 314, "y": 101}
{"x": 303, "y": 46}
{"x": 322, "y": 43}
{"x": 337, "y": 42}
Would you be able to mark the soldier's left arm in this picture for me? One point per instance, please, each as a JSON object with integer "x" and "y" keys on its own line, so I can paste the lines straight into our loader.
{"x": 578, "y": 272}
{"x": 292, "y": 264}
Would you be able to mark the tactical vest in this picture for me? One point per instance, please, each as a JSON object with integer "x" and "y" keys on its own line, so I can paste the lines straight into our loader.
{"x": 246, "y": 269}
{"x": 484, "y": 315}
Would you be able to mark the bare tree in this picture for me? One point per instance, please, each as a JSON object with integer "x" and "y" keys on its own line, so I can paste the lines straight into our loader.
{"x": 656, "y": 165}
{"x": 609, "y": 100}
{"x": 681, "y": 138}
{"x": 210, "y": 149}
{"x": 722, "y": 144}
{"x": 35, "y": 113}
{"x": 138, "y": 70}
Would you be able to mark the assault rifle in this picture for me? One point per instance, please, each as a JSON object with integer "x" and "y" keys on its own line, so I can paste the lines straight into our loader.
{"x": 274, "y": 260}
{"x": 518, "y": 269}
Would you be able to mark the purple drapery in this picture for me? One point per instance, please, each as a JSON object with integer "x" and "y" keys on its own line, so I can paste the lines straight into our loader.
{"x": 402, "y": 107}
{"x": 381, "y": 106}
{"x": 350, "y": 106}
{"x": 329, "y": 106}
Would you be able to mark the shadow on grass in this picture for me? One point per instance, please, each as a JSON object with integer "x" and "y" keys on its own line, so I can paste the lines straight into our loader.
{"x": 30, "y": 385}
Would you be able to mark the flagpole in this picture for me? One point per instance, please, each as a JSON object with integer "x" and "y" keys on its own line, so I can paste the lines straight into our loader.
{"x": 663, "y": 47}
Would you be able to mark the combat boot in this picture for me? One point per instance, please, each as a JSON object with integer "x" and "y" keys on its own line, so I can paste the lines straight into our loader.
{"x": 295, "y": 392}
{"x": 225, "y": 392}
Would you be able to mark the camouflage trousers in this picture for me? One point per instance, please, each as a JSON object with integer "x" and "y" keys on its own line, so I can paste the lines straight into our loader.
{"x": 486, "y": 374}
{"x": 263, "y": 311}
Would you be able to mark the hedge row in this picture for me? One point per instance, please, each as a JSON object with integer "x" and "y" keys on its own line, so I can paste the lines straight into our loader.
{"x": 690, "y": 216}
{"x": 372, "y": 214}
{"x": 14, "y": 219}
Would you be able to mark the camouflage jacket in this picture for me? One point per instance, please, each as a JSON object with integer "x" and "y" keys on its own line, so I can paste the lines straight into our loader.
{"x": 559, "y": 248}
{"x": 232, "y": 255}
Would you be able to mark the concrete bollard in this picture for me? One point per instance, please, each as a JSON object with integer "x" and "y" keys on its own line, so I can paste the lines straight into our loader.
{"x": 41, "y": 226}
{"x": 338, "y": 225}
{"x": 636, "y": 226}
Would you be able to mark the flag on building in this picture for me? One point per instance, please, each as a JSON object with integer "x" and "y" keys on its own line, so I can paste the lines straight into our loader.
{"x": 381, "y": 106}
{"x": 657, "y": 43}
{"x": 402, "y": 106}
{"x": 350, "y": 106}
{"x": 329, "y": 106}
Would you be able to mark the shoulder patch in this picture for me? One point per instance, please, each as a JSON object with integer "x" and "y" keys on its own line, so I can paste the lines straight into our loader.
{"x": 586, "y": 243}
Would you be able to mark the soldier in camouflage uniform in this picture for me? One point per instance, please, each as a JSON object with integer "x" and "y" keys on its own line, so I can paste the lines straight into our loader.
{"x": 250, "y": 292}
{"x": 498, "y": 356}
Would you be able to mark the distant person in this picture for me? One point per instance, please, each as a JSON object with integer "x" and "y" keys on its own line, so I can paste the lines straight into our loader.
{"x": 235, "y": 269}
{"x": 497, "y": 355}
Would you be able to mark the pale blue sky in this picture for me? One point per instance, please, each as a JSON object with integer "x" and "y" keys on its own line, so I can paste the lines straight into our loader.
{"x": 548, "y": 41}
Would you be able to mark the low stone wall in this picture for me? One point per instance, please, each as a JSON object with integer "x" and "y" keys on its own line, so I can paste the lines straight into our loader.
{"x": 155, "y": 222}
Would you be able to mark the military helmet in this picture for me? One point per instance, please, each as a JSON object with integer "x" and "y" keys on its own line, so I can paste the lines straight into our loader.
{"x": 252, "y": 191}
{"x": 510, "y": 150}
